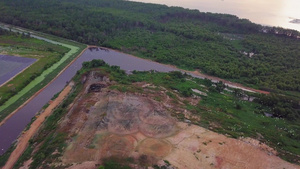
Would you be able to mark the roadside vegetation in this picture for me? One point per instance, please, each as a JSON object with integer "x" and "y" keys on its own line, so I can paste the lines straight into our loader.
{"x": 220, "y": 45}
{"x": 52, "y": 58}
{"x": 220, "y": 109}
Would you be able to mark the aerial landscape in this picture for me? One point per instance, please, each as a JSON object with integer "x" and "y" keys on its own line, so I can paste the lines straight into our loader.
{"x": 116, "y": 84}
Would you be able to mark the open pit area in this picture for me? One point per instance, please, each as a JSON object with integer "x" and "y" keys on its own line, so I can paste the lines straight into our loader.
{"x": 136, "y": 128}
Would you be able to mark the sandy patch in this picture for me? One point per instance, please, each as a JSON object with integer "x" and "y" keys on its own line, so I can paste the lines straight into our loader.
{"x": 195, "y": 148}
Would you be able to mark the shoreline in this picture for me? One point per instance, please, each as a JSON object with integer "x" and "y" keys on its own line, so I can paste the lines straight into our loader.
{"x": 197, "y": 73}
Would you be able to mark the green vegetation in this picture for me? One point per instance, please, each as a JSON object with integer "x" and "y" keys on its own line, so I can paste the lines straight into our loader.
{"x": 40, "y": 73}
{"x": 110, "y": 164}
{"x": 281, "y": 106}
{"x": 219, "y": 45}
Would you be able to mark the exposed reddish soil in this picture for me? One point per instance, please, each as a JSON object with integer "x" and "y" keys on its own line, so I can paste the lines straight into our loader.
{"x": 111, "y": 124}
{"x": 196, "y": 147}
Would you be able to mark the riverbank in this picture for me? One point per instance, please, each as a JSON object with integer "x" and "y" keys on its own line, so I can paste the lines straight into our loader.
{"x": 25, "y": 137}
{"x": 197, "y": 74}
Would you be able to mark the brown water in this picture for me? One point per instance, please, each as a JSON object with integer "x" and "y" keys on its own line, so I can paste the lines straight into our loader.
{"x": 10, "y": 130}
{"x": 265, "y": 12}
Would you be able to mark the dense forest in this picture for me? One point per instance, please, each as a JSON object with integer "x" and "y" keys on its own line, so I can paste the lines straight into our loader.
{"x": 217, "y": 44}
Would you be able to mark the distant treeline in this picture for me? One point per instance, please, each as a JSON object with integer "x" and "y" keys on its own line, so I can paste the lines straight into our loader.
{"x": 217, "y": 44}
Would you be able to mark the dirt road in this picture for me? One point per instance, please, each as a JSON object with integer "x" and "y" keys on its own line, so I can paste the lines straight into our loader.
{"x": 23, "y": 140}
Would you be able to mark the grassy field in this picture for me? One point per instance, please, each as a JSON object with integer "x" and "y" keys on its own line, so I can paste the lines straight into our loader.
{"x": 52, "y": 59}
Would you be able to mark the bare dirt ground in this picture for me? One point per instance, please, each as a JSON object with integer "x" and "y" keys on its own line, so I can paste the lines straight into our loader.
{"x": 23, "y": 140}
{"x": 111, "y": 124}
{"x": 197, "y": 148}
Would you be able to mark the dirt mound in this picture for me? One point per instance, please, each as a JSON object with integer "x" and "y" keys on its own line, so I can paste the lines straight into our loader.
{"x": 127, "y": 114}
{"x": 122, "y": 114}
